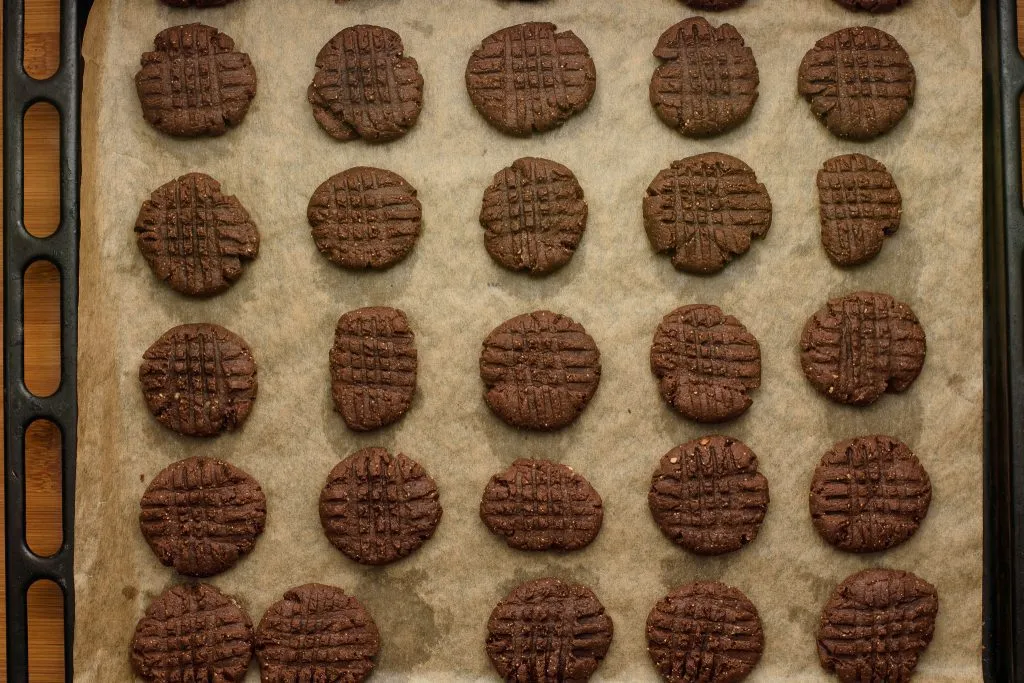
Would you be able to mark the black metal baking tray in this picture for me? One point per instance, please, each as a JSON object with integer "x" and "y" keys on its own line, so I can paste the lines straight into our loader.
{"x": 1003, "y": 74}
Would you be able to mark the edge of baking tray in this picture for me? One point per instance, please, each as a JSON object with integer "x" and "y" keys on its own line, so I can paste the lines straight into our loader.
{"x": 1003, "y": 80}
{"x": 63, "y": 90}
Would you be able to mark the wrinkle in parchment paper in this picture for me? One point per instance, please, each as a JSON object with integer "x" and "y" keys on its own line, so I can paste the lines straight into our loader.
{"x": 432, "y": 607}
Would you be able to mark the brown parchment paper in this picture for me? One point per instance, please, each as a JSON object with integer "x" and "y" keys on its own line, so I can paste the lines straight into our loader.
{"x": 432, "y": 607}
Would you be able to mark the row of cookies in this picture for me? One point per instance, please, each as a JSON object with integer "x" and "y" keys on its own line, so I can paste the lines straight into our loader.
{"x": 713, "y": 5}
{"x": 541, "y": 369}
{"x": 703, "y": 210}
{"x": 874, "y": 627}
{"x": 526, "y": 79}
{"x": 868, "y": 494}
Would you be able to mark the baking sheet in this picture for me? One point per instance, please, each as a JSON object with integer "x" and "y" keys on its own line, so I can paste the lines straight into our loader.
{"x": 432, "y": 607}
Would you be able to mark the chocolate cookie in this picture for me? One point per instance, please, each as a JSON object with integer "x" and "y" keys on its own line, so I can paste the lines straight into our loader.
{"x": 707, "y": 84}
{"x": 860, "y": 346}
{"x": 195, "y": 83}
{"x": 541, "y": 369}
{"x": 365, "y": 87}
{"x": 876, "y": 625}
{"x": 195, "y": 238}
{"x": 377, "y": 507}
{"x": 860, "y": 206}
{"x": 859, "y": 81}
{"x": 707, "y": 495}
{"x": 373, "y": 367}
{"x": 714, "y": 5}
{"x": 872, "y": 5}
{"x": 199, "y": 379}
{"x": 706, "y": 362}
{"x": 704, "y": 210}
{"x": 533, "y": 215}
{"x": 546, "y": 631}
{"x": 192, "y": 632}
{"x": 316, "y": 633}
{"x": 197, "y": 3}
{"x": 705, "y": 632}
{"x": 201, "y": 515}
{"x": 529, "y": 78}
{"x": 542, "y": 505}
{"x": 365, "y": 218}
{"x": 869, "y": 494}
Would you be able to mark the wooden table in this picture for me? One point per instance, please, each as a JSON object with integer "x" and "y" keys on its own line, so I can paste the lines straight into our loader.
{"x": 42, "y": 360}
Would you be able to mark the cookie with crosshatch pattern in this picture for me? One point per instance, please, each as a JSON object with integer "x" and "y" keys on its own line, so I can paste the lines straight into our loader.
{"x": 705, "y": 632}
{"x": 373, "y": 367}
{"x": 365, "y": 217}
{"x": 704, "y": 210}
{"x": 530, "y": 78}
{"x": 192, "y": 632}
{"x": 547, "y": 631}
{"x": 707, "y": 496}
{"x": 194, "y": 237}
{"x": 377, "y": 507}
{"x": 542, "y": 505}
{"x": 859, "y": 206}
{"x": 533, "y": 215}
{"x": 199, "y": 379}
{"x": 859, "y": 81}
{"x": 316, "y": 633}
{"x": 860, "y": 346}
{"x": 873, "y": 5}
{"x": 707, "y": 81}
{"x": 365, "y": 86}
{"x": 540, "y": 370}
{"x": 706, "y": 362}
{"x": 195, "y": 82}
{"x": 201, "y": 515}
{"x": 876, "y": 625}
{"x": 869, "y": 494}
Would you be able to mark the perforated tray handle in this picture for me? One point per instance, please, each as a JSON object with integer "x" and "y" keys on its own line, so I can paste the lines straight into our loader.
{"x": 62, "y": 90}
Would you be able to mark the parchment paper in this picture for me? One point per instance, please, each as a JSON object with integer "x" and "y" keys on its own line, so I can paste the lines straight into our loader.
{"x": 432, "y": 607}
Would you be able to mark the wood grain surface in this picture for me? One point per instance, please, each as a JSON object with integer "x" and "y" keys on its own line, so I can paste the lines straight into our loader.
{"x": 42, "y": 353}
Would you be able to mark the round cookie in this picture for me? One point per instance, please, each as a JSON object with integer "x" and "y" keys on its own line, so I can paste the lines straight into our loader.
{"x": 707, "y": 495}
{"x": 373, "y": 367}
{"x": 869, "y": 494}
{"x": 707, "y": 83}
{"x": 201, "y": 515}
{"x": 192, "y": 632}
{"x": 316, "y": 633}
{"x": 176, "y": 100}
{"x": 530, "y": 78}
{"x": 876, "y": 625}
{"x": 713, "y": 5}
{"x": 704, "y": 632}
{"x": 365, "y": 218}
{"x": 547, "y": 631}
{"x": 704, "y": 210}
{"x": 542, "y": 505}
{"x": 859, "y": 81}
{"x": 533, "y": 215}
{"x": 377, "y": 508}
{"x": 540, "y": 369}
{"x": 365, "y": 87}
{"x": 199, "y": 379}
{"x": 860, "y": 346}
{"x": 873, "y": 5}
{"x": 859, "y": 205}
{"x": 195, "y": 238}
{"x": 706, "y": 362}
